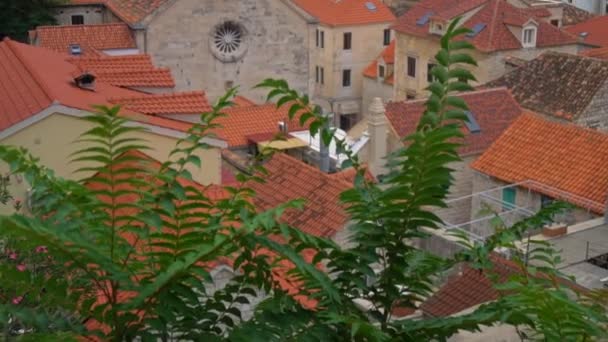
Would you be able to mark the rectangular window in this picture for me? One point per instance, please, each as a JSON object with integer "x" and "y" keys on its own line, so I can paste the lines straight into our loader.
{"x": 545, "y": 200}
{"x": 429, "y": 77}
{"x": 387, "y": 37}
{"x": 346, "y": 78}
{"x": 508, "y": 198}
{"x": 411, "y": 66}
{"x": 317, "y": 38}
{"x": 322, "y": 75}
{"x": 529, "y": 36}
{"x": 381, "y": 71}
{"x": 78, "y": 20}
{"x": 348, "y": 40}
{"x": 410, "y": 95}
{"x": 317, "y": 74}
{"x": 322, "y": 42}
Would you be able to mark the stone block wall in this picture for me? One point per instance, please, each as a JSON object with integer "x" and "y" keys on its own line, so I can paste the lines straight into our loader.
{"x": 275, "y": 34}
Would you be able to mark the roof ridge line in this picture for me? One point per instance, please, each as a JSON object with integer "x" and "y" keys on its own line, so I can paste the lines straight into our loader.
{"x": 35, "y": 75}
{"x": 44, "y": 27}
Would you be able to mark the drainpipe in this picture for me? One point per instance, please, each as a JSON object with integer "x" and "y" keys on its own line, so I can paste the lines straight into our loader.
{"x": 324, "y": 149}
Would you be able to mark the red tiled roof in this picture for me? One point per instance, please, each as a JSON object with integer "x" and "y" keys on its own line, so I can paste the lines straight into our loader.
{"x": 242, "y": 101}
{"x": 388, "y": 56}
{"x": 472, "y": 287}
{"x": 126, "y": 71}
{"x": 347, "y": 12}
{"x": 290, "y": 179}
{"x": 596, "y": 28}
{"x": 241, "y": 122}
{"x": 35, "y": 78}
{"x": 176, "y": 103}
{"x": 468, "y": 289}
{"x": 566, "y": 157}
{"x": 494, "y": 110}
{"x": 131, "y": 11}
{"x": 91, "y": 38}
{"x": 601, "y": 53}
{"x": 495, "y": 14}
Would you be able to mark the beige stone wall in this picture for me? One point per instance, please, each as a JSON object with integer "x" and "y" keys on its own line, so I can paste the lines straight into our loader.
{"x": 524, "y": 197}
{"x": 458, "y": 211}
{"x": 93, "y": 14}
{"x": 52, "y": 140}
{"x": 277, "y": 38}
{"x": 490, "y": 66}
{"x": 375, "y": 88}
{"x": 367, "y": 43}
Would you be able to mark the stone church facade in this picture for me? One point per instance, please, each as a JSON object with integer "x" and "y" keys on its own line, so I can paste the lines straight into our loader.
{"x": 214, "y": 45}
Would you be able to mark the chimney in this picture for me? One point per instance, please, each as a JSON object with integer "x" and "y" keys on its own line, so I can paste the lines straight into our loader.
{"x": 324, "y": 160}
{"x": 376, "y": 127}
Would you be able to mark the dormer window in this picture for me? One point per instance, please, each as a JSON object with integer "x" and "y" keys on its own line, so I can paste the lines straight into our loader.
{"x": 437, "y": 27}
{"x": 529, "y": 36}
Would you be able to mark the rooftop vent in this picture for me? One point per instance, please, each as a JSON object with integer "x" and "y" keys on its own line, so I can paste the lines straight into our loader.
{"x": 583, "y": 34}
{"x": 283, "y": 127}
{"x": 85, "y": 80}
{"x": 75, "y": 50}
{"x": 476, "y": 29}
{"x": 471, "y": 123}
{"x": 371, "y": 6}
{"x": 424, "y": 19}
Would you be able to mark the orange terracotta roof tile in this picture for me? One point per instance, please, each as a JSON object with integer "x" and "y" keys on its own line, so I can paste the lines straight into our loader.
{"x": 135, "y": 71}
{"x": 495, "y": 14}
{"x": 601, "y": 53}
{"x": 347, "y": 12}
{"x": 471, "y": 287}
{"x": 176, "y": 103}
{"x": 566, "y": 157}
{"x": 241, "y": 122}
{"x": 91, "y": 38}
{"x": 290, "y": 179}
{"x": 596, "y": 29}
{"x": 388, "y": 56}
{"x": 242, "y": 101}
{"x": 493, "y": 109}
{"x": 131, "y": 11}
{"x": 35, "y": 78}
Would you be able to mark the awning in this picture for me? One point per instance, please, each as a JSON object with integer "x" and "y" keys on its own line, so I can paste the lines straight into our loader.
{"x": 286, "y": 144}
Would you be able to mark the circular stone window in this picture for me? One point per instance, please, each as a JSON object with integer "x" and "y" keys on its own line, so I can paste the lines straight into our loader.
{"x": 227, "y": 42}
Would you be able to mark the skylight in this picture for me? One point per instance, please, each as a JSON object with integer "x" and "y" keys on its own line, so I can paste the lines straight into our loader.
{"x": 471, "y": 123}
{"x": 370, "y": 6}
{"x": 424, "y": 19}
{"x": 476, "y": 29}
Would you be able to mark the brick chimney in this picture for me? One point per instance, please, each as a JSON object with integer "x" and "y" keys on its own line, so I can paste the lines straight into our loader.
{"x": 377, "y": 126}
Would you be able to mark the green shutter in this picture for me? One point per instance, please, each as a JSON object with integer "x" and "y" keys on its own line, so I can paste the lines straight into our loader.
{"x": 508, "y": 198}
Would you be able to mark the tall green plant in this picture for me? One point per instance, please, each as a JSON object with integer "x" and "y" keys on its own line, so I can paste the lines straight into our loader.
{"x": 133, "y": 242}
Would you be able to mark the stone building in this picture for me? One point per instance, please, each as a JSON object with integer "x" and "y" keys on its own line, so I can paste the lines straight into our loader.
{"x": 379, "y": 76}
{"x": 563, "y": 87}
{"x": 499, "y": 30}
{"x": 537, "y": 161}
{"x": 349, "y": 35}
{"x": 210, "y": 44}
{"x": 45, "y": 96}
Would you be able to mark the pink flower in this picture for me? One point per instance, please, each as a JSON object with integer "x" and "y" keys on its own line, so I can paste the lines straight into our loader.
{"x": 17, "y": 300}
{"x": 12, "y": 256}
{"x": 41, "y": 249}
{"x": 21, "y": 268}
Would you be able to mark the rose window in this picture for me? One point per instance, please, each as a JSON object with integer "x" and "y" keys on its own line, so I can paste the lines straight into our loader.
{"x": 228, "y": 42}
